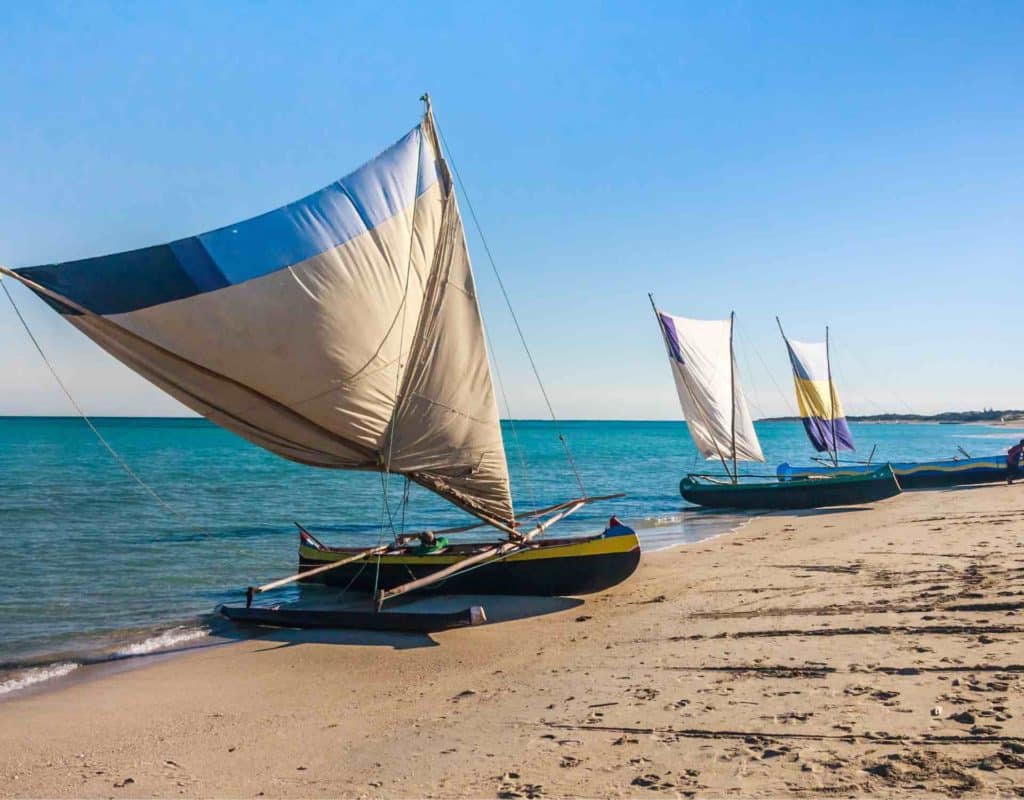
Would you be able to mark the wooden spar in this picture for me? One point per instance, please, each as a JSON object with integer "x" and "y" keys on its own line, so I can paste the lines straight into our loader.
{"x": 252, "y": 591}
{"x": 732, "y": 392}
{"x": 831, "y": 400}
{"x": 491, "y": 553}
{"x": 405, "y": 538}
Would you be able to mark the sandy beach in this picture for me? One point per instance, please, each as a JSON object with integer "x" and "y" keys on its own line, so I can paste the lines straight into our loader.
{"x": 874, "y": 650}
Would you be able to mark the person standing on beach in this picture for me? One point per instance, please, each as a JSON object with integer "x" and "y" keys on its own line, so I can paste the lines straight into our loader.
{"x": 1013, "y": 457}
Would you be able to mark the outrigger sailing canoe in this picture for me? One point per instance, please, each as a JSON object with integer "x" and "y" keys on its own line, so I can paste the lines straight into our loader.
{"x": 342, "y": 331}
{"x": 570, "y": 566}
{"x": 793, "y": 493}
{"x": 703, "y": 365}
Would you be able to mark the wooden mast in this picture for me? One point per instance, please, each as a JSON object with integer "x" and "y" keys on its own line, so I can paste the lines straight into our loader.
{"x": 732, "y": 392}
{"x": 831, "y": 401}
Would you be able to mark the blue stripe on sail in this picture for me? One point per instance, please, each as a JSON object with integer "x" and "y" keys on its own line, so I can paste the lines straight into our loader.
{"x": 672, "y": 337}
{"x": 359, "y": 202}
{"x": 798, "y": 365}
{"x": 120, "y": 282}
{"x": 197, "y": 264}
{"x": 820, "y": 432}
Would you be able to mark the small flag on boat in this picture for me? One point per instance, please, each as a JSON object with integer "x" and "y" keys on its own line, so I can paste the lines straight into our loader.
{"x": 306, "y": 539}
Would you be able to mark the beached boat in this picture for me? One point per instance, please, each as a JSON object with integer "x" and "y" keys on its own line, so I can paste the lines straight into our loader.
{"x": 826, "y": 427}
{"x": 792, "y": 493}
{"x": 342, "y": 331}
{"x": 916, "y": 474}
{"x": 703, "y": 362}
{"x": 568, "y": 566}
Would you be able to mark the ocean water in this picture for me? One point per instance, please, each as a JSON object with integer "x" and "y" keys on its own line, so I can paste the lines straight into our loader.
{"x": 92, "y": 567}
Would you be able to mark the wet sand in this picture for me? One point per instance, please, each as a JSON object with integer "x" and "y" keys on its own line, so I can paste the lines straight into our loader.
{"x": 863, "y": 651}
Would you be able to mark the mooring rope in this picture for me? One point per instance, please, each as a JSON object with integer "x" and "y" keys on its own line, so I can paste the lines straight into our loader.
{"x": 85, "y": 418}
{"x": 511, "y": 311}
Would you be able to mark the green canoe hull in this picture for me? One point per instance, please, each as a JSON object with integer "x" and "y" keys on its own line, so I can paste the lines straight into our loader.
{"x": 798, "y": 493}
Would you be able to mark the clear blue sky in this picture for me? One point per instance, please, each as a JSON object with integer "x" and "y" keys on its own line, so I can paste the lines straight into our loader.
{"x": 860, "y": 164}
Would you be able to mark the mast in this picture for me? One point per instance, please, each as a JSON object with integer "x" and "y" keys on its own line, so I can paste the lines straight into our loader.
{"x": 732, "y": 391}
{"x": 664, "y": 337}
{"x": 831, "y": 401}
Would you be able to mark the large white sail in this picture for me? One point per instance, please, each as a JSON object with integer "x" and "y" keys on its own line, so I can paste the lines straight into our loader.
{"x": 710, "y": 392}
{"x": 340, "y": 331}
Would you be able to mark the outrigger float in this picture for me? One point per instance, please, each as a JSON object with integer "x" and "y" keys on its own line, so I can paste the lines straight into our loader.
{"x": 342, "y": 331}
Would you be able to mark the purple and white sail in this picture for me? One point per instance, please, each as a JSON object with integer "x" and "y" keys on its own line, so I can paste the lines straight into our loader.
{"x": 710, "y": 393}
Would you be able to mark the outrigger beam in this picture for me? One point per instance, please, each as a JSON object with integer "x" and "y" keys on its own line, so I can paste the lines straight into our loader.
{"x": 490, "y": 554}
{"x": 252, "y": 591}
{"x": 405, "y": 538}
{"x": 566, "y": 508}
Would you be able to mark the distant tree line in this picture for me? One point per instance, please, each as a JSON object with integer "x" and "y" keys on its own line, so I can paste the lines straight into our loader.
{"x": 987, "y": 415}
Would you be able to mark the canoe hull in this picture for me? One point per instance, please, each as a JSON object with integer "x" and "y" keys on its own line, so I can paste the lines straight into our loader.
{"x": 552, "y": 568}
{"x": 919, "y": 474}
{"x": 793, "y": 494}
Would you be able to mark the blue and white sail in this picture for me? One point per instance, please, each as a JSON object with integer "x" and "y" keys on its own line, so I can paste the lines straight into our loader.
{"x": 708, "y": 383}
{"x": 340, "y": 331}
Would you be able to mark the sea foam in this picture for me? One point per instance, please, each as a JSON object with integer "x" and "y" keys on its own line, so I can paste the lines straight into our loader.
{"x": 28, "y": 677}
{"x": 162, "y": 641}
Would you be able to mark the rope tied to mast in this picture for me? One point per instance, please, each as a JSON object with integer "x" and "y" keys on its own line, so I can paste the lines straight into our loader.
{"x": 508, "y": 303}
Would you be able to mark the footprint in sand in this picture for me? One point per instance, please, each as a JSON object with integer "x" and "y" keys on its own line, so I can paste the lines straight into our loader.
{"x": 512, "y": 787}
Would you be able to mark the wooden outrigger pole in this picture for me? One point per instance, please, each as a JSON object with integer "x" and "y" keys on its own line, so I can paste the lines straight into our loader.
{"x": 506, "y": 548}
{"x": 490, "y": 554}
{"x": 252, "y": 591}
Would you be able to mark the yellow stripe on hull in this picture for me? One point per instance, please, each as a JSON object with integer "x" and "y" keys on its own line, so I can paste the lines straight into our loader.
{"x": 599, "y": 546}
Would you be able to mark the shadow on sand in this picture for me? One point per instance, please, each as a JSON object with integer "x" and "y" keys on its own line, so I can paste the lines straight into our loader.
{"x": 821, "y": 512}
{"x": 499, "y": 609}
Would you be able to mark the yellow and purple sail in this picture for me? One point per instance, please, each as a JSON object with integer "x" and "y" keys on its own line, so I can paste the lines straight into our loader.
{"x": 816, "y": 395}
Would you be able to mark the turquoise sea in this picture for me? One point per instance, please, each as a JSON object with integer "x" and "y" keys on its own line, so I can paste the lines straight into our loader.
{"x": 92, "y": 567}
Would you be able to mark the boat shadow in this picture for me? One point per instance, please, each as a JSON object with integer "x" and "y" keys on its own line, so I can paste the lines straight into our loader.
{"x": 821, "y": 512}
{"x": 499, "y": 609}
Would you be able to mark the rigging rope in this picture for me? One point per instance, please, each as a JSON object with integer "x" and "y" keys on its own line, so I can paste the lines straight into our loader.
{"x": 786, "y": 398}
{"x": 511, "y": 311}
{"x": 114, "y": 454}
{"x": 511, "y": 422}
{"x": 403, "y": 310}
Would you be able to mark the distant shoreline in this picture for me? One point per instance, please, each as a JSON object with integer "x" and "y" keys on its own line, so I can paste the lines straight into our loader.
{"x": 1013, "y": 418}
{"x": 1007, "y": 417}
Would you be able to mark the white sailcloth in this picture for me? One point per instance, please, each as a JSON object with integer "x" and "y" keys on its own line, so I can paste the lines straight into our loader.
{"x": 339, "y": 331}
{"x": 709, "y": 387}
